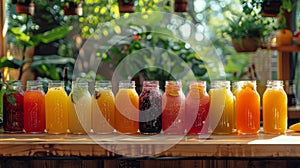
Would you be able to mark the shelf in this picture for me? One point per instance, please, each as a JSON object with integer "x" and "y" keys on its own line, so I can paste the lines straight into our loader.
{"x": 286, "y": 48}
{"x": 245, "y": 146}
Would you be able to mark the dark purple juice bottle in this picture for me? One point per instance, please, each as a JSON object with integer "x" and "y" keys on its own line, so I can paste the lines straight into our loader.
{"x": 13, "y": 119}
{"x": 150, "y": 106}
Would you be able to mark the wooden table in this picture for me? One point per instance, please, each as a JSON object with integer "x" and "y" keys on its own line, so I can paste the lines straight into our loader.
{"x": 262, "y": 145}
{"x": 42, "y": 150}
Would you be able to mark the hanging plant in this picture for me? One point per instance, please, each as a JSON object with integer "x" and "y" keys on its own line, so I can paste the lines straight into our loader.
{"x": 24, "y": 7}
{"x": 126, "y": 6}
{"x": 270, "y": 8}
{"x": 72, "y": 7}
{"x": 180, "y": 5}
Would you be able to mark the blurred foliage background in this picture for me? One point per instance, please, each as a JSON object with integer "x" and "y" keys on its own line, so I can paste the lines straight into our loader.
{"x": 50, "y": 57}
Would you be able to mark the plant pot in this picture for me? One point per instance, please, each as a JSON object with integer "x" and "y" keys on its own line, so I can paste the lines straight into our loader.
{"x": 270, "y": 8}
{"x": 180, "y": 5}
{"x": 126, "y": 6}
{"x": 245, "y": 44}
{"x": 24, "y": 8}
{"x": 73, "y": 8}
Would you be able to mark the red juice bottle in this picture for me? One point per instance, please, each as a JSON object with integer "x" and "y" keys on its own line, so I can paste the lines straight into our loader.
{"x": 34, "y": 107}
{"x": 173, "y": 102}
{"x": 13, "y": 112}
{"x": 197, "y": 108}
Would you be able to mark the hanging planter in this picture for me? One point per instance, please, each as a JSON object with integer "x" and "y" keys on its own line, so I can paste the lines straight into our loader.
{"x": 245, "y": 44}
{"x": 180, "y": 5}
{"x": 24, "y": 7}
{"x": 126, "y": 6}
{"x": 72, "y": 8}
{"x": 270, "y": 8}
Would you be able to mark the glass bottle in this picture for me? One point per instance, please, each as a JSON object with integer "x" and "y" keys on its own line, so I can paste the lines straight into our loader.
{"x": 247, "y": 108}
{"x": 56, "y": 103}
{"x": 275, "y": 108}
{"x": 80, "y": 106}
{"x": 34, "y": 107}
{"x": 173, "y": 103}
{"x": 291, "y": 93}
{"x": 127, "y": 108}
{"x": 103, "y": 108}
{"x": 13, "y": 112}
{"x": 1, "y": 101}
{"x": 197, "y": 107}
{"x": 222, "y": 108}
{"x": 150, "y": 106}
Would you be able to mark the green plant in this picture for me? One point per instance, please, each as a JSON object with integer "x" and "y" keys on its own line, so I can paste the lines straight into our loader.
{"x": 245, "y": 27}
{"x": 286, "y": 7}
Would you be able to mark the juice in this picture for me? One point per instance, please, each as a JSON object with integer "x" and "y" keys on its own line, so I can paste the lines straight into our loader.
{"x": 173, "y": 104}
{"x": 150, "y": 105}
{"x": 275, "y": 108}
{"x": 197, "y": 108}
{"x": 79, "y": 108}
{"x": 56, "y": 102}
{"x": 34, "y": 108}
{"x": 222, "y": 110}
{"x": 247, "y": 108}
{"x": 103, "y": 108}
{"x": 13, "y": 114}
{"x": 127, "y": 108}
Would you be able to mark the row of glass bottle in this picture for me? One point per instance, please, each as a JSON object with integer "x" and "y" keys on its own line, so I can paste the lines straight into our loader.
{"x": 221, "y": 111}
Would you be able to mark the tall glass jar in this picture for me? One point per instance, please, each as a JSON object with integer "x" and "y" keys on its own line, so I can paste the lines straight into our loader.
{"x": 222, "y": 110}
{"x": 197, "y": 107}
{"x": 80, "y": 106}
{"x": 13, "y": 112}
{"x": 150, "y": 105}
{"x": 103, "y": 108}
{"x": 275, "y": 108}
{"x": 127, "y": 108}
{"x": 56, "y": 103}
{"x": 247, "y": 108}
{"x": 34, "y": 107}
{"x": 173, "y": 104}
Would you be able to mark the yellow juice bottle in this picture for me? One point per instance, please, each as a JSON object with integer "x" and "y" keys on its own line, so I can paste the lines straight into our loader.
{"x": 80, "y": 108}
{"x": 127, "y": 108}
{"x": 221, "y": 113}
{"x": 56, "y": 103}
{"x": 103, "y": 108}
{"x": 275, "y": 108}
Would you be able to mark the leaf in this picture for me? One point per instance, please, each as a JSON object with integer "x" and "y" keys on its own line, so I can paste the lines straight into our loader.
{"x": 198, "y": 71}
{"x": 11, "y": 99}
{"x": 11, "y": 63}
{"x": 50, "y": 60}
{"x": 52, "y": 35}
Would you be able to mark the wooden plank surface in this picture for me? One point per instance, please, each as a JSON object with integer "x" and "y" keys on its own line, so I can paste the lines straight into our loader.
{"x": 43, "y": 145}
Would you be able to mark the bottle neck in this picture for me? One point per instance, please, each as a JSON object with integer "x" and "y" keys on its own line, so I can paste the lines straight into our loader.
{"x": 275, "y": 84}
{"x": 126, "y": 85}
{"x": 103, "y": 85}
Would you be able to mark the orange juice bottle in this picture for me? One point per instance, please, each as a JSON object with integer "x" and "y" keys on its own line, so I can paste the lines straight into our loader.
{"x": 56, "y": 103}
{"x": 275, "y": 108}
{"x": 80, "y": 108}
{"x": 103, "y": 108}
{"x": 127, "y": 108}
{"x": 173, "y": 108}
{"x": 221, "y": 111}
{"x": 247, "y": 108}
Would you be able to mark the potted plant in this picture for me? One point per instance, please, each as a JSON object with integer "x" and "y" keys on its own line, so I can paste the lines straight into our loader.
{"x": 24, "y": 6}
{"x": 72, "y": 7}
{"x": 180, "y": 5}
{"x": 246, "y": 33}
{"x": 126, "y": 6}
{"x": 270, "y": 8}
